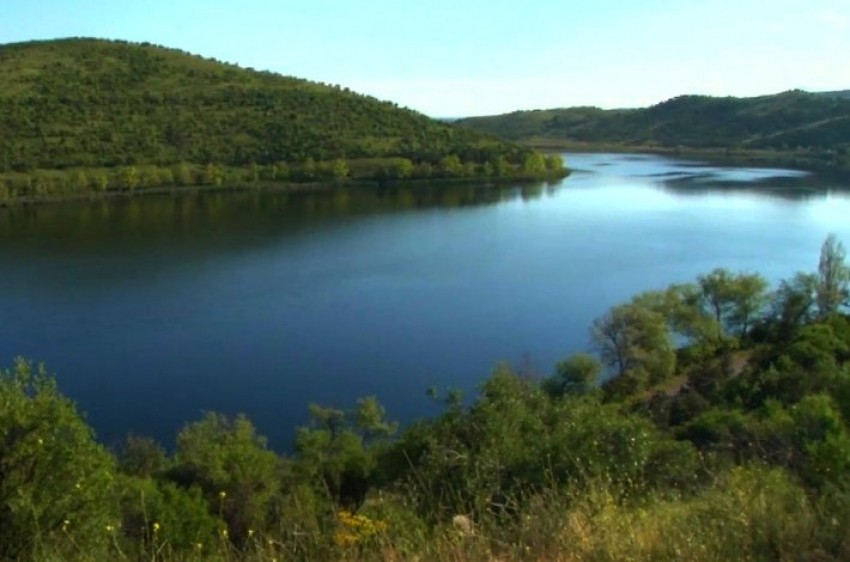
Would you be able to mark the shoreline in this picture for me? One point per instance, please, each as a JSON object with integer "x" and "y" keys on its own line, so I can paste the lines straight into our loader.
{"x": 289, "y": 187}
{"x": 791, "y": 159}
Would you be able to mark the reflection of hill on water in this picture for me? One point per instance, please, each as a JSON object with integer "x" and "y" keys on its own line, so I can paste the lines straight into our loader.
{"x": 792, "y": 188}
{"x": 226, "y": 221}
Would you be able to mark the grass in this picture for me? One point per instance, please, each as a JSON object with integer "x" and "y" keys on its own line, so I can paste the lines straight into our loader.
{"x": 748, "y": 514}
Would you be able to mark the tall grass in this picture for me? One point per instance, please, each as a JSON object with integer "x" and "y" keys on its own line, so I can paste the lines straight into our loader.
{"x": 748, "y": 514}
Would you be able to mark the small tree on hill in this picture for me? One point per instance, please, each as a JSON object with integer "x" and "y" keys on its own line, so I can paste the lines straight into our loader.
{"x": 833, "y": 288}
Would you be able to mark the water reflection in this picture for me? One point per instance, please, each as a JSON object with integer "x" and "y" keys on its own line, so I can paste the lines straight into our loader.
{"x": 238, "y": 215}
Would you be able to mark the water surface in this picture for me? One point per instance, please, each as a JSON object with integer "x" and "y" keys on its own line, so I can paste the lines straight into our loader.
{"x": 154, "y": 309}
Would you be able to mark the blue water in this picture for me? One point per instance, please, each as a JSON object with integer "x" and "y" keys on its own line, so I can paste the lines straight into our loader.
{"x": 154, "y": 309}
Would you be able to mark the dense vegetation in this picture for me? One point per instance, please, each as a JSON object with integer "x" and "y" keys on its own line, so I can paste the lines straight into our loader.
{"x": 721, "y": 432}
{"x": 82, "y": 116}
{"x": 817, "y": 125}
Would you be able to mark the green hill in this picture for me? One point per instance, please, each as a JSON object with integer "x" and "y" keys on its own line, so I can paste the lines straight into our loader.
{"x": 94, "y": 108}
{"x": 793, "y": 121}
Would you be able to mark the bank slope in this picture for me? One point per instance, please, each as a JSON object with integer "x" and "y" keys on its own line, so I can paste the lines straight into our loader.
{"x": 97, "y": 108}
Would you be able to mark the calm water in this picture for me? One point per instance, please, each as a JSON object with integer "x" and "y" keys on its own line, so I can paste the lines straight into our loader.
{"x": 153, "y": 310}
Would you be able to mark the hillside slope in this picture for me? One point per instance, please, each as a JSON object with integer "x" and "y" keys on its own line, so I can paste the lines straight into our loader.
{"x": 88, "y": 103}
{"x": 790, "y": 121}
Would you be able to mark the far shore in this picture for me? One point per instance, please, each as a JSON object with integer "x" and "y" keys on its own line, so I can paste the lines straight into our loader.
{"x": 773, "y": 158}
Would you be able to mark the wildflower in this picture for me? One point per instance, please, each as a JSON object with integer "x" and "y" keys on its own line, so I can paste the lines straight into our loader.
{"x": 110, "y": 529}
{"x": 65, "y": 524}
{"x": 250, "y": 532}
{"x": 155, "y": 527}
{"x": 224, "y": 533}
{"x": 222, "y": 494}
{"x": 40, "y": 441}
{"x": 199, "y": 545}
{"x": 345, "y": 539}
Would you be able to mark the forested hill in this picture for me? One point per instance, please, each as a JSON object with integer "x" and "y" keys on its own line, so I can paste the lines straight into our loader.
{"x": 789, "y": 121}
{"x": 94, "y": 104}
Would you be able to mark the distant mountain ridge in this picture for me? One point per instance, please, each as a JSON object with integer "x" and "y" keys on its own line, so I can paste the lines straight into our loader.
{"x": 162, "y": 117}
{"x": 845, "y": 94}
{"x": 790, "y": 121}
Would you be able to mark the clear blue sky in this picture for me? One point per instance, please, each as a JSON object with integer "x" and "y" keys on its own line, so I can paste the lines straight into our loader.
{"x": 475, "y": 57}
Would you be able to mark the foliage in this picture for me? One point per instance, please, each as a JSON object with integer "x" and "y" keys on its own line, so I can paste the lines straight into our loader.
{"x": 230, "y": 463}
{"x": 816, "y": 125}
{"x": 84, "y": 116}
{"x": 159, "y": 513}
{"x": 634, "y": 341}
{"x": 833, "y": 288}
{"x": 579, "y": 374}
{"x": 56, "y": 483}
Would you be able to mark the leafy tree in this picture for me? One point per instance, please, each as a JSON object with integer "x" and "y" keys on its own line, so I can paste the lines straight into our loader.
{"x": 534, "y": 164}
{"x": 451, "y": 166}
{"x": 335, "y": 451}
{"x": 734, "y": 300}
{"x": 339, "y": 169}
{"x": 635, "y": 342}
{"x": 370, "y": 419}
{"x": 576, "y": 375}
{"x": 822, "y": 438}
{"x": 501, "y": 166}
{"x": 681, "y": 307}
{"x": 309, "y": 169}
{"x": 141, "y": 456}
{"x": 833, "y": 289}
{"x": 234, "y": 468}
{"x": 56, "y": 483}
{"x": 400, "y": 168}
{"x": 554, "y": 162}
{"x": 129, "y": 177}
{"x": 793, "y": 304}
{"x": 160, "y": 513}
{"x": 213, "y": 174}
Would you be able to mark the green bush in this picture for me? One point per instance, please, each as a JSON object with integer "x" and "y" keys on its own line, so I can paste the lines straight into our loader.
{"x": 57, "y": 486}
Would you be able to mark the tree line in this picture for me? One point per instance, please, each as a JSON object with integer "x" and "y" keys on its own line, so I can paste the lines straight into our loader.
{"x": 89, "y": 182}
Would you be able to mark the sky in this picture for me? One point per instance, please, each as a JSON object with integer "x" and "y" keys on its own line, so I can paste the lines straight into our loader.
{"x": 454, "y": 58}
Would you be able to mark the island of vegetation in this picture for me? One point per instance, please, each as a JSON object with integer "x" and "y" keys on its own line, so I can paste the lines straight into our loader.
{"x": 84, "y": 116}
{"x": 713, "y": 424}
{"x": 796, "y": 127}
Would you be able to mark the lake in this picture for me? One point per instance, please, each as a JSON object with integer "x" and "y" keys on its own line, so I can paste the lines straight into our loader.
{"x": 152, "y": 310}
